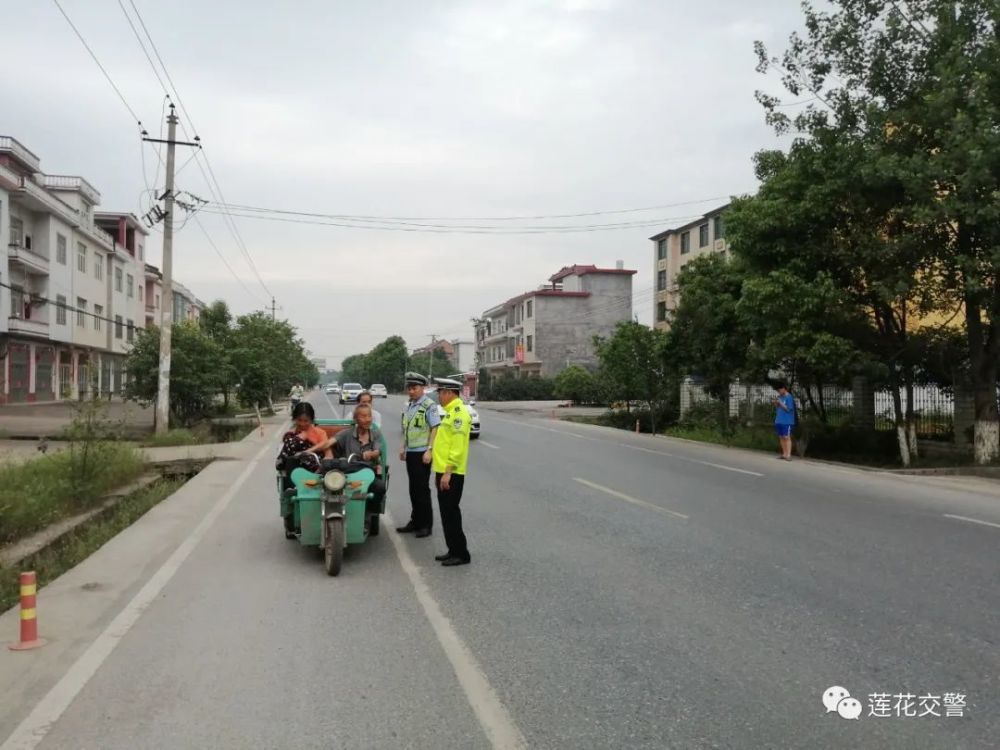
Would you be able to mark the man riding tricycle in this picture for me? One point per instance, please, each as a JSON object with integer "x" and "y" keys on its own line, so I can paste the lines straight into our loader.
{"x": 332, "y": 480}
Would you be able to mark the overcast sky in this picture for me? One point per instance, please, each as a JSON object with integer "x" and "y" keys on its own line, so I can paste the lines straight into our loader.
{"x": 406, "y": 109}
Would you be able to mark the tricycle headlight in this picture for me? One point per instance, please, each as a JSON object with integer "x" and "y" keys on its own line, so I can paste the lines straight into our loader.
{"x": 334, "y": 481}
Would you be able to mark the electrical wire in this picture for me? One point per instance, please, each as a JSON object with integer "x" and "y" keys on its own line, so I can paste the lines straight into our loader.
{"x": 455, "y": 230}
{"x": 209, "y": 176}
{"x": 223, "y": 259}
{"x": 94, "y": 58}
{"x": 394, "y": 219}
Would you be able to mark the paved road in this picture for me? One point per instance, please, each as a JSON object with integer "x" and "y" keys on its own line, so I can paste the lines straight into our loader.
{"x": 625, "y": 592}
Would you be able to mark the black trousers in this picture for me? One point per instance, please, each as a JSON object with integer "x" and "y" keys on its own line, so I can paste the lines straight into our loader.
{"x": 451, "y": 515}
{"x": 419, "y": 473}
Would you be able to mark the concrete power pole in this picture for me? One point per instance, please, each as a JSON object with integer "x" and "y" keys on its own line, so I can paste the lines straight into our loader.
{"x": 167, "y": 312}
{"x": 273, "y": 309}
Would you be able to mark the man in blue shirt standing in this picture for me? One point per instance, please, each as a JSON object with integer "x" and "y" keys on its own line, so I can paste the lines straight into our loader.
{"x": 784, "y": 419}
{"x": 420, "y": 425}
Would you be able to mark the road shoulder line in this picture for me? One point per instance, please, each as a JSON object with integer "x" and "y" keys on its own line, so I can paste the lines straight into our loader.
{"x": 629, "y": 498}
{"x": 492, "y": 715}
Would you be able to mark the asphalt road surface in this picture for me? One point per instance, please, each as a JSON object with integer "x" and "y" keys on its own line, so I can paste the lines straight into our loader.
{"x": 625, "y": 592}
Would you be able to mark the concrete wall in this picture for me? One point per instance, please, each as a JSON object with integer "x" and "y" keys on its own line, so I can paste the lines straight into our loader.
{"x": 565, "y": 326}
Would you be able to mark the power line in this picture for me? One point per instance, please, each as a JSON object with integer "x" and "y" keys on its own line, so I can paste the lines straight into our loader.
{"x": 217, "y": 189}
{"x": 223, "y": 259}
{"x": 401, "y": 222}
{"x": 390, "y": 219}
{"x": 94, "y": 58}
{"x": 455, "y": 230}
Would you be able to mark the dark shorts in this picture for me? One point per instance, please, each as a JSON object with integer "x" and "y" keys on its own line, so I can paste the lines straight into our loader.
{"x": 783, "y": 430}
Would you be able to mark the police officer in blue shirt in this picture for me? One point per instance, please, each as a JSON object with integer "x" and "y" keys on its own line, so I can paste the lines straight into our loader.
{"x": 420, "y": 424}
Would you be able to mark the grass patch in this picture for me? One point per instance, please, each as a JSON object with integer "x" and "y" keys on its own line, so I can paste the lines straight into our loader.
{"x": 757, "y": 439}
{"x": 38, "y": 492}
{"x": 175, "y": 437}
{"x": 79, "y": 544}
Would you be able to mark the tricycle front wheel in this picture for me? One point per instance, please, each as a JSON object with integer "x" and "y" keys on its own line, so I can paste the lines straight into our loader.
{"x": 333, "y": 553}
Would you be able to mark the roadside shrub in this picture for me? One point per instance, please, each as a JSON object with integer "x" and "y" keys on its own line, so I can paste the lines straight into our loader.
{"x": 518, "y": 389}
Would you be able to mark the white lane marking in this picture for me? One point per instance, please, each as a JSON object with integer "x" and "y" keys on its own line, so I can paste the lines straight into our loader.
{"x": 43, "y": 717}
{"x": 628, "y": 498}
{"x": 493, "y": 716}
{"x": 488, "y": 445}
{"x": 972, "y": 520}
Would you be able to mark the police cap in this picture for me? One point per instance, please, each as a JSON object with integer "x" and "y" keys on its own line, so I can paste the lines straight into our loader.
{"x": 448, "y": 384}
{"x": 415, "y": 378}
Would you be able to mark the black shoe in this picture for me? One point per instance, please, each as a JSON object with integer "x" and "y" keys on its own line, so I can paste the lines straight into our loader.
{"x": 451, "y": 562}
{"x": 442, "y": 558}
{"x": 423, "y": 533}
{"x": 406, "y": 529}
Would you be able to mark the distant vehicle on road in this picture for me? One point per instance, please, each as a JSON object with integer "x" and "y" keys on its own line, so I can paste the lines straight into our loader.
{"x": 476, "y": 426}
{"x": 350, "y": 392}
{"x": 332, "y": 388}
{"x": 379, "y": 391}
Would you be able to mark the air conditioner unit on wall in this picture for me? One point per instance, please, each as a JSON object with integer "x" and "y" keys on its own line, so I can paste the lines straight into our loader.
{"x": 720, "y": 244}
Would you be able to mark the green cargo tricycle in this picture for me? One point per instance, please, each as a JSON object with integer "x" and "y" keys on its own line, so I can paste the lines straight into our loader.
{"x": 335, "y": 508}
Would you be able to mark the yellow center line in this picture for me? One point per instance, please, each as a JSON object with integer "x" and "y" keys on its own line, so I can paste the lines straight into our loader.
{"x": 628, "y": 498}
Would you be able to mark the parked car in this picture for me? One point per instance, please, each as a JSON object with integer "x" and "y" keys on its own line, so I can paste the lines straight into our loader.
{"x": 350, "y": 392}
{"x": 379, "y": 391}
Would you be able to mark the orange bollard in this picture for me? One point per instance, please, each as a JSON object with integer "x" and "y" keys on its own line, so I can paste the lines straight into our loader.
{"x": 29, "y": 620}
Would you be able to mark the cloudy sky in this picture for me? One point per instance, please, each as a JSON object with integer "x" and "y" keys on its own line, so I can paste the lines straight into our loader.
{"x": 403, "y": 109}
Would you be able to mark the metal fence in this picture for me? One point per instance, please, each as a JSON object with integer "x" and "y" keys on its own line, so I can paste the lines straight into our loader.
{"x": 933, "y": 406}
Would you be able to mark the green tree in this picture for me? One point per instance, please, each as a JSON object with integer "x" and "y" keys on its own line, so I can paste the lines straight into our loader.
{"x": 917, "y": 83}
{"x": 216, "y": 321}
{"x": 576, "y": 384}
{"x": 269, "y": 359}
{"x": 387, "y": 363}
{"x": 708, "y": 336}
{"x": 634, "y": 358}
{"x": 194, "y": 373}
{"x": 354, "y": 369}
{"x": 442, "y": 365}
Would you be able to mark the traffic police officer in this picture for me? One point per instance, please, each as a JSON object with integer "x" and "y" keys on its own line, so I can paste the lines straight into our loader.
{"x": 451, "y": 458}
{"x": 420, "y": 425}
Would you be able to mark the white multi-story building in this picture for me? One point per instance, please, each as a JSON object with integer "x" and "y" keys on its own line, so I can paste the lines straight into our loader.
{"x": 73, "y": 284}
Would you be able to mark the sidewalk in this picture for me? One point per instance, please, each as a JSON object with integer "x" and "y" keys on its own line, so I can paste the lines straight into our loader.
{"x": 36, "y": 420}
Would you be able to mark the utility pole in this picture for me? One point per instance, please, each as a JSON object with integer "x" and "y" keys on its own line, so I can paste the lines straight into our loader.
{"x": 167, "y": 298}
{"x": 273, "y": 309}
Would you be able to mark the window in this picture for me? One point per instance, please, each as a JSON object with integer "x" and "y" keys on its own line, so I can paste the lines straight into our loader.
{"x": 141, "y": 256}
{"x": 703, "y": 235}
{"x": 531, "y": 342}
{"x": 81, "y": 308}
{"x": 60, "y": 249}
{"x": 81, "y": 257}
{"x": 685, "y": 243}
{"x": 60, "y": 310}
{"x": 131, "y": 331}
{"x": 118, "y": 326}
{"x": 98, "y": 315}
{"x": 157, "y": 301}
{"x": 718, "y": 228}
{"x": 118, "y": 279}
{"x": 98, "y": 267}
{"x": 140, "y": 292}
{"x": 661, "y": 280}
{"x": 130, "y": 286}
{"x": 661, "y": 249}
{"x": 661, "y": 311}
{"x": 528, "y": 309}
{"x": 16, "y": 231}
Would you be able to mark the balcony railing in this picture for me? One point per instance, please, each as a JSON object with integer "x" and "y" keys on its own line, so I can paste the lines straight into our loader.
{"x": 70, "y": 182}
{"x": 30, "y": 327}
{"x": 21, "y": 152}
{"x": 33, "y": 261}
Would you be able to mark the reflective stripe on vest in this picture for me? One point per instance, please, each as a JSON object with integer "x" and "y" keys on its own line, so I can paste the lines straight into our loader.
{"x": 418, "y": 432}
